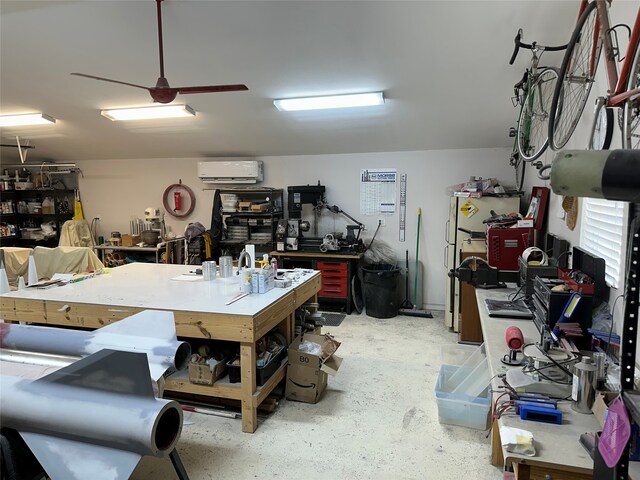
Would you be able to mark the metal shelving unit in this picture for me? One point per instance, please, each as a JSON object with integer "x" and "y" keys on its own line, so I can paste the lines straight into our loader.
{"x": 630, "y": 396}
{"x": 262, "y": 225}
{"x": 63, "y": 204}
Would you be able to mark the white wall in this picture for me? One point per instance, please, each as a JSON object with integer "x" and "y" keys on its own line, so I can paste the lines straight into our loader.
{"x": 119, "y": 189}
{"x": 622, "y": 12}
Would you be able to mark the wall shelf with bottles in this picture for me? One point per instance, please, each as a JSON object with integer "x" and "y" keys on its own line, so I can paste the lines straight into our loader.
{"x": 34, "y": 204}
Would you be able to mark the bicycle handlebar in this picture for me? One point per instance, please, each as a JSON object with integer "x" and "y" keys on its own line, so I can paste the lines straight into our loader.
{"x": 516, "y": 49}
{"x": 530, "y": 46}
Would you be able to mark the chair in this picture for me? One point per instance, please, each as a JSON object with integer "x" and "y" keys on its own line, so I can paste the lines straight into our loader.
{"x": 76, "y": 233}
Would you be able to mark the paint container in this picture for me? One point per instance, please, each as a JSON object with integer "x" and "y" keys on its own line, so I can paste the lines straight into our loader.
{"x": 209, "y": 271}
{"x": 583, "y": 392}
{"x": 226, "y": 267}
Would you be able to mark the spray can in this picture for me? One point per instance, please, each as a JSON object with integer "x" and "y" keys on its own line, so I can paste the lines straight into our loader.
{"x": 583, "y": 392}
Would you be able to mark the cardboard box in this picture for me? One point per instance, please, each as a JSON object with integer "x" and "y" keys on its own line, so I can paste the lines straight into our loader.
{"x": 601, "y": 404}
{"x": 130, "y": 240}
{"x": 202, "y": 374}
{"x": 306, "y": 372}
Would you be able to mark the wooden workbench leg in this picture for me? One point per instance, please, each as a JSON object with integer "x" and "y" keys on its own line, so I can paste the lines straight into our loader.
{"x": 248, "y": 386}
{"x": 497, "y": 458}
{"x": 522, "y": 471}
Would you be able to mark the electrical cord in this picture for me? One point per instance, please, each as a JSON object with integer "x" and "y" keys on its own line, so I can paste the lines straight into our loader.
{"x": 515, "y": 295}
{"x": 613, "y": 311}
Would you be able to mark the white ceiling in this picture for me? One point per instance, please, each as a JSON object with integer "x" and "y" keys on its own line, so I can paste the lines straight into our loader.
{"x": 443, "y": 66}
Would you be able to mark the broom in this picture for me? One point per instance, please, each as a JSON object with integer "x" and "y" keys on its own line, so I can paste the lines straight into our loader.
{"x": 408, "y": 308}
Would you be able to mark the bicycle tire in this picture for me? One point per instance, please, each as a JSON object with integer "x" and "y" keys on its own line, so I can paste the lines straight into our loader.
{"x": 570, "y": 96}
{"x": 602, "y": 132}
{"x": 516, "y": 162}
{"x": 533, "y": 124}
{"x": 631, "y": 108}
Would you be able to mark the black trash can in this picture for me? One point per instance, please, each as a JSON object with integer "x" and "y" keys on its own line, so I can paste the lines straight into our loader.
{"x": 381, "y": 290}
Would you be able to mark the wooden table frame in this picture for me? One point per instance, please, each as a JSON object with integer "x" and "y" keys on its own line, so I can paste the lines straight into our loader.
{"x": 244, "y": 329}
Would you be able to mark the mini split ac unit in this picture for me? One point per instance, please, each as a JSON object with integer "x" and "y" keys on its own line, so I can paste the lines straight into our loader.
{"x": 231, "y": 171}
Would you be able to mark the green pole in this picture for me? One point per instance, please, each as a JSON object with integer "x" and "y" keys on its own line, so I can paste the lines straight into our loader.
{"x": 415, "y": 282}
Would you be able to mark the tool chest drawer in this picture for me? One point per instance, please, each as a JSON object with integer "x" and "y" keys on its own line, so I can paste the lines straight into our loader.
{"x": 333, "y": 288}
{"x": 333, "y": 269}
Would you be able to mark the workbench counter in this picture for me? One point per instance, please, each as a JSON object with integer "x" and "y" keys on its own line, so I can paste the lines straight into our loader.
{"x": 199, "y": 309}
{"x": 558, "y": 450}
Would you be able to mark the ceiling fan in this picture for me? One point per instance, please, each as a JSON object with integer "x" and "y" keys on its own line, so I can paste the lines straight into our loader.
{"x": 162, "y": 92}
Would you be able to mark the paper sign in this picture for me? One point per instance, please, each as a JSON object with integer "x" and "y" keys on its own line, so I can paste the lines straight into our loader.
{"x": 469, "y": 209}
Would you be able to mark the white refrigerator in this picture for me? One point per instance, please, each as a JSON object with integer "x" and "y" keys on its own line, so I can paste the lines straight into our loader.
{"x": 468, "y": 214}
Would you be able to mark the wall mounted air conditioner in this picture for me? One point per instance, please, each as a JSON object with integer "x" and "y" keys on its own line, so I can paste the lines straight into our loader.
{"x": 231, "y": 171}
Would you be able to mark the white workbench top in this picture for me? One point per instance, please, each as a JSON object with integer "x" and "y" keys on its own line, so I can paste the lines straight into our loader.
{"x": 555, "y": 444}
{"x": 147, "y": 285}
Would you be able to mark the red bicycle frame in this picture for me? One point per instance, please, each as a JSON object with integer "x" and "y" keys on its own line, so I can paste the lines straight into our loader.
{"x": 617, "y": 84}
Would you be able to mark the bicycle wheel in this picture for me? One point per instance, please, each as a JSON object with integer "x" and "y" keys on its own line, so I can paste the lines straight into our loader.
{"x": 516, "y": 162}
{"x": 631, "y": 115}
{"x": 533, "y": 126}
{"x": 577, "y": 74}
{"x": 602, "y": 131}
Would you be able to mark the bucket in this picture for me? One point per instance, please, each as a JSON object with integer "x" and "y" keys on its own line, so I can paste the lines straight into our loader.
{"x": 381, "y": 290}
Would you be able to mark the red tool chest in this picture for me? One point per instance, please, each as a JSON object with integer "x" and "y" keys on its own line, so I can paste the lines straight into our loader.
{"x": 505, "y": 245}
{"x": 335, "y": 279}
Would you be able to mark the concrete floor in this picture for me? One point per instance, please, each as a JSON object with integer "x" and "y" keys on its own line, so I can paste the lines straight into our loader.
{"x": 377, "y": 419}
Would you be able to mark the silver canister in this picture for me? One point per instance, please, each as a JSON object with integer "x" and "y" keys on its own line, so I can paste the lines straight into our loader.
{"x": 583, "y": 391}
{"x": 209, "y": 271}
{"x": 226, "y": 267}
{"x": 599, "y": 360}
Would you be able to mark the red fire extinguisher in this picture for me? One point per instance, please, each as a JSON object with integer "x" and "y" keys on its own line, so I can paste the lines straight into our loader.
{"x": 177, "y": 200}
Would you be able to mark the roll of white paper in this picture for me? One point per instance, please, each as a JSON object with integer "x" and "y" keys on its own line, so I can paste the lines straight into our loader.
{"x": 527, "y": 253}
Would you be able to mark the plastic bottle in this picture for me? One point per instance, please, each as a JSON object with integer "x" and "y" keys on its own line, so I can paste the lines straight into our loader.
{"x": 46, "y": 206}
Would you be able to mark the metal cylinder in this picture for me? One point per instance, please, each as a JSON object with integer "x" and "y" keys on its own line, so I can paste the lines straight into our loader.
{"x": 226, "y": 267}
{"x": 583, "y": 392}
{"x": 597, "y": 174}
{"x": 58, "y": 341}
{"x": 208, "y": 271}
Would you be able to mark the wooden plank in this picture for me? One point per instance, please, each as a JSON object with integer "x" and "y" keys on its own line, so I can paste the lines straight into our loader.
{"x": 218, "y": 389}
{"x": 525, "y": 471}
{"x": 497, "y": 458}
{"x": 23, "y": 310}
{"x": 317, "y": 255}
{"x": 522, "y": 471}
{"x": 218, "y": 326}
{"x": 273, "y": 315}
{"x": 308, "y": 290}
{"x": 248, "y": 387}
{"x": 85, "y": 315}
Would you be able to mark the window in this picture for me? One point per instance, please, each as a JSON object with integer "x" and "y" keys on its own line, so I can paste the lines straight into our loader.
{"x": 602, "y": 234}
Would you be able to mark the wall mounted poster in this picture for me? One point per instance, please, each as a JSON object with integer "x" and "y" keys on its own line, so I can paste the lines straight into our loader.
{"x": 378, "y": 191}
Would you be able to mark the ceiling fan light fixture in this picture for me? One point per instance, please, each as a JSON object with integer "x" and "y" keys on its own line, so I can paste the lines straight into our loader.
{"x": 26, "y": 119}
{"x": 331, "y": 101}
{"x": 149, "y": 113}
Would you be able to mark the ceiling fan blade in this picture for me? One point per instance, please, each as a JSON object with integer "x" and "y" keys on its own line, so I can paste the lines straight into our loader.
{"x": 109, "y": 80}
{"x": 212, "y": 89}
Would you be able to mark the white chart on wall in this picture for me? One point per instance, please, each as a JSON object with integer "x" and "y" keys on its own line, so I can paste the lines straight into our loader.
{"x": 378, "y": 191}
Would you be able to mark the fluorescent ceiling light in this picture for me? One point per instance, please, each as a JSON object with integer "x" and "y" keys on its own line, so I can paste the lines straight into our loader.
{"x": 333, "y": 101}
{"x": 149, "y": 113}
{"x": 26, "y": 119}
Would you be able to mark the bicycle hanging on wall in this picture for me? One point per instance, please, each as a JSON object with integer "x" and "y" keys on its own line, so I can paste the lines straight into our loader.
{"x": 577, "y": 74}
{"x": 534, "y": 94}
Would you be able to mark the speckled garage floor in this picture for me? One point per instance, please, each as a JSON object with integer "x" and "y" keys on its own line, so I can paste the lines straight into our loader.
{"x": 378, "y": 419}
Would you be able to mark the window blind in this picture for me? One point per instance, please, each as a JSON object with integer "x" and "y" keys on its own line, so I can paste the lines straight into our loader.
{"x": 602, "y": 234}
